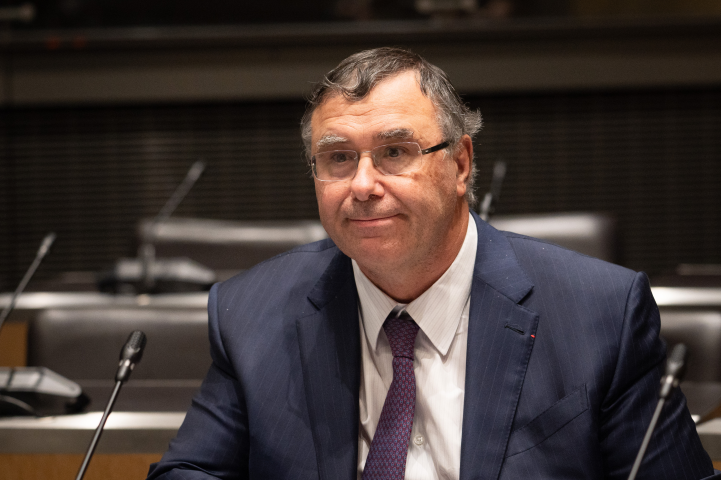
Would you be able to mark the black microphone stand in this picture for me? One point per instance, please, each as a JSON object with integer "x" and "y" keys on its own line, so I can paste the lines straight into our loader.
{"x": 99, "y": 431}
{"x": 488, "y": 205}
{"x": 42, "y": 251}
{"x": 146, "y": 252}
{"x": 130, "y": 355}
{"x": 13, "y": 389}
{"x": 675, "y": 369}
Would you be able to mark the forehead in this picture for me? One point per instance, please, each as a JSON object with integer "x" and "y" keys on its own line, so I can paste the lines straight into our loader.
{"x": 395, "y": 103}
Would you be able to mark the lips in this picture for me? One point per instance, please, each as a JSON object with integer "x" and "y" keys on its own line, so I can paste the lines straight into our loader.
{"x": 371, "y": 219}
{"x": 370, "y": 213}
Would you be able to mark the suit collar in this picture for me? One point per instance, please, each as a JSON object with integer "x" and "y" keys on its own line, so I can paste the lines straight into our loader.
{"x": 497, "y": 356}
{"x": 329, "y": 342}
{"x": 497, "y": 265}
{"x": 335, "y": 276}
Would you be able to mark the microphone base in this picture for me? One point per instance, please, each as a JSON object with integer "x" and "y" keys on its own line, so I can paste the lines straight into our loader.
{"x": 15, "y": 404}
{"x": 38, "y": 391}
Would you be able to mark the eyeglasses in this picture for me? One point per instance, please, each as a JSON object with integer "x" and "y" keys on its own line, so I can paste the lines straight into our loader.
{"x": 393, "y": 159}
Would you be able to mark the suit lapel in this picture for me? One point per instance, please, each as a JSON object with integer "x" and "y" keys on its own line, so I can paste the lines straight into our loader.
{"x": 329, "y": 341}
{"x": 499, "y": 347}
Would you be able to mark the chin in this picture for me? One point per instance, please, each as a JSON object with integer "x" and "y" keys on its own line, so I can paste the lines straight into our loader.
{"x": 374, "y": 254}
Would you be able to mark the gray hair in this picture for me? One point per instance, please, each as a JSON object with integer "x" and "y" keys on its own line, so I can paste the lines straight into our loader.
{"x": 357, "y": 75}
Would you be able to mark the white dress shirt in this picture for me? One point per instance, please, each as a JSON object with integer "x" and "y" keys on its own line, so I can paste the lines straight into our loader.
{"x": 441, "y": 312}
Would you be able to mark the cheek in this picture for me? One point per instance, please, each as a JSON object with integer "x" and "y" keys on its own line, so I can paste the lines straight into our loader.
{"x": 329, "y": 197}
{"x": 439, "y": 189}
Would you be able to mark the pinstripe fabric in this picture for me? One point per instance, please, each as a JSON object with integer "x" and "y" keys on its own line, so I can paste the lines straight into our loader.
{"x": 562, "y": 372}
{"x": 280, "y": 400}
{"x": 594, "y": 374}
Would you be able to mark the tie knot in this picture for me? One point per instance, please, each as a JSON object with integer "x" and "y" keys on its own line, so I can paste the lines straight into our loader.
{"x": 401, "y": 332}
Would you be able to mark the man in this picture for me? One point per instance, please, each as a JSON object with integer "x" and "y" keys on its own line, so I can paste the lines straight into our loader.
{"x": 419, "y": 342}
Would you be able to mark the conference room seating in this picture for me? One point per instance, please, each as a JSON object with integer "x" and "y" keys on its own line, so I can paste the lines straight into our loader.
{"x": 700, "y": 330}
{"x": 83, "y": 344}
{"x": 592, "y": 234}
{"x": 228, "y": 246}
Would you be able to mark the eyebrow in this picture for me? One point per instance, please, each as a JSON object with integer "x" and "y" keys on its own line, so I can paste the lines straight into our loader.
{"x": 399, "y": 133}
{"x": 396, "y": 133}
{"x": 330, "y": 139}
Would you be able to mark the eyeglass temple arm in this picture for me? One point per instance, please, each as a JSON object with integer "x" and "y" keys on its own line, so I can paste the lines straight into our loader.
{"x": 440, "y": 146}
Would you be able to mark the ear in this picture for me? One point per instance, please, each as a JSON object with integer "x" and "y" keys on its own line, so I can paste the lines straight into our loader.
{"x": 463, "y": 160}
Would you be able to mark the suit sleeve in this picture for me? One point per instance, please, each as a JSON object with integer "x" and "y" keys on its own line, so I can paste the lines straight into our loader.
{"x": 675, "y": 451}
{"x": 212, "y": 442}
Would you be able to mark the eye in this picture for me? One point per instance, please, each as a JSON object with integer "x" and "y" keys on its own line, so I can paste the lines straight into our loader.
{"x": 339, "y": 157}
{"x": 394, "y": 151}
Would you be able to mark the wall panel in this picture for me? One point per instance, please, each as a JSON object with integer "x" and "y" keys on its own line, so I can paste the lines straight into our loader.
{"x": 653, "y": 159}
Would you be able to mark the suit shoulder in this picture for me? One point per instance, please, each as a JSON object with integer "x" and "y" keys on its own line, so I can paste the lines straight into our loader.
{"x": 536, "y": 255}
{"x": 303, "y": 263}
{"x": 575, "y": 292}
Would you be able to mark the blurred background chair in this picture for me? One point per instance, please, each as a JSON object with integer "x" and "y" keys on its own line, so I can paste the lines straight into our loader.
{"x": 83, "y": 344}
{"x": 700, "y": 330}
{"x": 692, "y": 315}
{"x": 589, "y": 233}
{"x": 225, "y": 246}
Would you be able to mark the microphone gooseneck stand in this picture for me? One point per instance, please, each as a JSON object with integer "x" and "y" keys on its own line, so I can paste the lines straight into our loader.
{"x": 675, "y": 369}
{"x": 146, "y": 252}
{"x": 488, "y": 205}
{"x": 130, "y": 355}
{"x": 50, "y": 383}
{"x": 42, "y": 251}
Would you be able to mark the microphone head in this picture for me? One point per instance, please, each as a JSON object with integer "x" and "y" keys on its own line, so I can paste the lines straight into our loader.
{"x": 196, "y": 170}
{"x": 676, "y": 365}
{"x": 133, "y": 348}
{"x": 131, "y": 354}
{"x": 46, "y": 244}
{"x": 678, "y": 354}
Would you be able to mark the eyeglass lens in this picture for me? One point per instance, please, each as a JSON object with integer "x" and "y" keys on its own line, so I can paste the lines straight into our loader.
{"x": 392, "y": 159}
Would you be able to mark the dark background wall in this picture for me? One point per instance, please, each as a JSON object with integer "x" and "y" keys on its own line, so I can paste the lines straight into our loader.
{"x": 103, "y": 108}
{"x": 651, "y": 158}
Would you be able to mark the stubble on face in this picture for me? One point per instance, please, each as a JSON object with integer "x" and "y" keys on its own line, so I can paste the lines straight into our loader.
{"x": 400, "y": 226}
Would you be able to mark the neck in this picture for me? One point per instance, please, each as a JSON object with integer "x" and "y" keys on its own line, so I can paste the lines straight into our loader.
{"x": 408, "y": 282}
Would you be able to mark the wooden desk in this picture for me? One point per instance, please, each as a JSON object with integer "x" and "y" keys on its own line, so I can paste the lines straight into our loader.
{"x": 65, "y": 467}
{"x": 53, "y": 447}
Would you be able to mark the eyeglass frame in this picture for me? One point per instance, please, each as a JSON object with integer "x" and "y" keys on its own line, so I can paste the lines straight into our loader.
{"x": 424, "y": 151}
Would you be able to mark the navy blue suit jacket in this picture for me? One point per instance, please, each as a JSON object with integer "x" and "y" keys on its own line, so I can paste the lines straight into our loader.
{"x": 562, "y": 373}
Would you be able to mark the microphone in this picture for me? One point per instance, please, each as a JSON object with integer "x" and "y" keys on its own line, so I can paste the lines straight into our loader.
{"x": 147, "y": 249}
{"x": 488, "y": 205}
{"x": 130, "y": 355}
{"x": 23, "y": 390}
{"x": 675, "y": 370}
{"x": 42, "y": 251}
{"x": 147, "y": 273}
{"x": 194, "y": 173}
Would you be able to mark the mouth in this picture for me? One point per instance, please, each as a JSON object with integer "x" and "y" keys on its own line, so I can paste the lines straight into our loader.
{"x": 371, "y": 219}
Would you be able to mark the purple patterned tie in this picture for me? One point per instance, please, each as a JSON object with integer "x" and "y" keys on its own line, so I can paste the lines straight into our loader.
{"x": 389, "y": 448}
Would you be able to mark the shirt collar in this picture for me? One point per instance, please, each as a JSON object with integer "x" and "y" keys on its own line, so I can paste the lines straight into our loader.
{"x": 437, "y": 311}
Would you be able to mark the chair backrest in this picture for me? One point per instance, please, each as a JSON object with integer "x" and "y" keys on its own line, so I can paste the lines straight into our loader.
{"x": 85, "y": 343}
{"x": 593, "y": 234}
{"x": 228, "y": 245}
{"x": 700, "y": 330}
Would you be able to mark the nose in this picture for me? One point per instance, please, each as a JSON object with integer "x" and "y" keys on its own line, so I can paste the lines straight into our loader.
{"x": 365, "y": 182}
